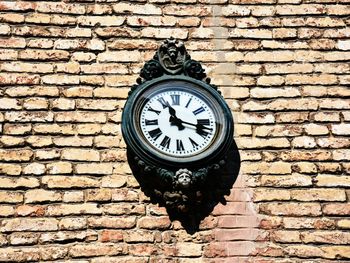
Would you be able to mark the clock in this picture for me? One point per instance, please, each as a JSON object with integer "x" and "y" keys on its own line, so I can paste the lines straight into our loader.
{"x": 177, "y": 122}
{"x": 179, "y": 134}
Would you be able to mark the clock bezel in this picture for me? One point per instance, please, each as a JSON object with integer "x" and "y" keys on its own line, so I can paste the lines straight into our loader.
{"x": 157, "y": 158}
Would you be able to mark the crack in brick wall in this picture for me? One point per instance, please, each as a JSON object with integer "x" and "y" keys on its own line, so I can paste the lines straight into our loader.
{"x": 66, "y": 191}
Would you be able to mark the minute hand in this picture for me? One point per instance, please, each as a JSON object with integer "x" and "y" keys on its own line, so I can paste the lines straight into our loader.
{"x": 198, "y": 125}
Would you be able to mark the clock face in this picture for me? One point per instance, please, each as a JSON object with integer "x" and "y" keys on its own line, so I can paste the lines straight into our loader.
{"x": 177, "y": 121}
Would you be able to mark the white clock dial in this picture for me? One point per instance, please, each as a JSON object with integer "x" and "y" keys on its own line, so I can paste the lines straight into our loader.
{"x": 178, "y": 123}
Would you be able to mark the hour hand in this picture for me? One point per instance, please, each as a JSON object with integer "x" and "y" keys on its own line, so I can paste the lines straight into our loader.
{"x": 177, "y": 122}
{"x": 172, "y": 111}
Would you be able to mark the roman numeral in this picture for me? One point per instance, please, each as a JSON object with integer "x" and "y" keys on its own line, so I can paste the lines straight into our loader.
{"x": 179, "y": 145}
{"x": 188, "y": 103}
{"x": 163, "y": 102}
{"x": 175, "y": 99}
{"x": 199, "y": 110}
{"x": 165, "y": 142}
{"x": 202, "y": 133}
{"x": 155, "y": 111}
{"x": 151, "y": 122}
{"x": 194, "y": 144}
{"x": 155, "y": 133}
{"x": 203, "y": 122}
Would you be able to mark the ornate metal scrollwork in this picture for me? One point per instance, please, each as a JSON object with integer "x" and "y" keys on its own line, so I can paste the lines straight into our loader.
{"x": 172, "y": 59}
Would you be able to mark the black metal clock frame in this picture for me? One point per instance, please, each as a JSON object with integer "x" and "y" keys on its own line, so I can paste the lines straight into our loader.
{"x": 160, "y": 179}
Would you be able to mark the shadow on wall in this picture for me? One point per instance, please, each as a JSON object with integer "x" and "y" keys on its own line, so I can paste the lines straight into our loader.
{"x": 202, "y": 200}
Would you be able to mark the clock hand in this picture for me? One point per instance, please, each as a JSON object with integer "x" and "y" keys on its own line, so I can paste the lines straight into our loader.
{"x": 172, "y": 111}
{"x": 173, "y": 119}
{"x": 198, "y": 126}
{"x": 178, "y": 122}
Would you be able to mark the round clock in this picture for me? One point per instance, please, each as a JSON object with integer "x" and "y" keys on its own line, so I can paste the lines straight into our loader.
{"x": 176, "y": 120}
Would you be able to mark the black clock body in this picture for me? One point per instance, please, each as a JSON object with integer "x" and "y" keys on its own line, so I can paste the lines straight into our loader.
{"x": 179, "y": 135}
{"x": 152, "y": 157}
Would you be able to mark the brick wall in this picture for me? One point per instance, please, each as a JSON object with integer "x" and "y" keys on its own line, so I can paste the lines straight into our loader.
{"x": 67, "y": 194}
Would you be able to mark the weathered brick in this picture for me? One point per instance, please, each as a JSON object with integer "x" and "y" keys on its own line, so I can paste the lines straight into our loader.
{"x": 344, "y": 223}
{"x": 60, "y": 79}
{"x": 111, "y": 222}
{"x": 278, "y": 130}
{"x": 308, "y": 223}
{"x": 291, "y": 209}
{"x": 66, "y": 129}
{"x": 124, "y": 194}
{"x": 73, "y": 141}
{"x": 80, "y": 155}
{"x": 36, "y": 104}
{"x": 277, "y": 56}
{"x": 72, "y": 223}
{"x": 184, "y": 10}
{"x": 47, "y": 154}
{"x": 44, "y": 55}
{"x": 299, "y": 155}
{"x": 40, "y": 43}
{"x": 11, "y": 141}
{"x": 29, "y": 254}
{"x": 318, "y": 195}
{"x": 73, "y": 196}
{"x": 40, "y": 195}
{"x": 24, "y": 238}
{"x": 125, "y": 209}
{"x": 154, "y": 222}
{"x": 99, "y": 168}
{"x": 73, "y": 209}
{"x": 304, "y": 167}
{"x": 254, "y": 118}
{"x": 27, "y": 67}
{"x": 333, "y": 142}
{"x": 60, "y": 8}
{"x": 90, "y": 250}
{"x": 164, "y": 33}
{"x": 37, "y": 116}
{"x": 69, "y": 182}
{"x": 330, "y": 237}
{"x": 304, "y": 142}
{"x": 256, "y": 143}
{"x": 315, "y": 129}
{"x": 98, "y": 117}
{"x": 16, "y": 155}
{"x": 266, "y": 168}
{"x": 271, "y": 195}
{"x": 39, "y": 141}
{"x": 29, "y": 224}
{"x": 286, "y": 236}
{"x": 15, "y": 129}
{"x": 32, "y": 91}
{"x": 332, "y": 180}
{"x": 59, "y": 168}
{"x": 341, "y": 154}
{"x": 334, "y": 252}
{"x": 286, "y": 180}
{"x": 34, "y": 168}
{"x": 262, "y": 11}
{"x": 12, "y": 18}
{"x": 304, "y": 251}
{"x": 103, "y": 141}
{"x": 336, "y": 209}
